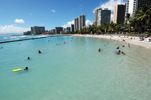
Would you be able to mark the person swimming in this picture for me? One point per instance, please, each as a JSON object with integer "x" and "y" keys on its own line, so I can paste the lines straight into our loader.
{"x": 99, "y": 50}
{"x": 26, "y": 68}
{"x": 123, "y": 46}
{"x": 118, "y": 52}
{"x": 39, "y": 51}
{"x": 117, "y": 47}
{"x": 122, "y": 53}
{"x": 28, "y": 58}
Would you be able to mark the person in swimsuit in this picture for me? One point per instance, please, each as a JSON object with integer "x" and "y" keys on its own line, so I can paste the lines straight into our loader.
{"x": 99, "y": 50}
{"x": 26, "y": 68}
{"x": 39, "y": 51}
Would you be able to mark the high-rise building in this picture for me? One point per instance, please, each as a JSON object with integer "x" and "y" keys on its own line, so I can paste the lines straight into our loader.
{"x": 76, "y": 24}
{"x": 37, "y": 30}
{"x": 27, "y": 33}
{"x": 96, "y": 18}
{"x": 95, "y": 23}
{"x": 53, "y": 31}
{"x": 72, "y": 27}
{"x": 103, "y": 16}
{"x": 67, "y": 29}
{"x": 119, "y": 13}
{"x": 96, "y": 15}
{"x": 81, "y": 21}
{"x": 58, "y": 29}
{"x": 133, "y": 5}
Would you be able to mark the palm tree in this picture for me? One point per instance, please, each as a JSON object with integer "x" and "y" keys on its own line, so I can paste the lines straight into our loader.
{"x": 144, "y": 15}
{"x": 128, "y": 21}
{"x": 88, "y": 30}
{"x": 149, "y": 17}
{"x": 105, "y": 26}
{"x": 117, "y": 28}
{"x": 112, "y": 26}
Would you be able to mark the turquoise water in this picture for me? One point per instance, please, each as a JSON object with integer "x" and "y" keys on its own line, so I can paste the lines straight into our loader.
{"x": 74, "y": 71}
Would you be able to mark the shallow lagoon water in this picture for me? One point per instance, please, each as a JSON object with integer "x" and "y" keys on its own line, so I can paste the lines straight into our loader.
{"x": 74, "y": 71}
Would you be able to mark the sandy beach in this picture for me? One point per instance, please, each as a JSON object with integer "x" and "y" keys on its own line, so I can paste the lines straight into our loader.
{"x": 129, "y": 39}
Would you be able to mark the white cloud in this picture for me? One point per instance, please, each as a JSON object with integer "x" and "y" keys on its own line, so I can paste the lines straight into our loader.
{"x": 19, "y": 21}
{"x": 53, "y": 11}
{"x": 112, "y": 15}
{"x": 12, "y": 29}
{"x": 88, "y": 22}
{"x": 110, "y": 4}
{"x": 68, "y": 24}
{"x": 80, "y": 7}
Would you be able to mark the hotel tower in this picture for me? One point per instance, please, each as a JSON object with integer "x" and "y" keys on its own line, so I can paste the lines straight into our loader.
{"x": 119, "y": 13}
{"x": 133, "y": 5}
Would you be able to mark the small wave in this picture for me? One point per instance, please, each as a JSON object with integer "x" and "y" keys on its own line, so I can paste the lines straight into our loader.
{"x": 5, "y": 37}
{"x": 13, "y": 37}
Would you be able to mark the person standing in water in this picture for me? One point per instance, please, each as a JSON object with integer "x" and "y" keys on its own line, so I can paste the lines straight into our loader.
{"x": 99, "y": 50}
{"x": 128, "y": 45}
{"x": 39, "y": 51}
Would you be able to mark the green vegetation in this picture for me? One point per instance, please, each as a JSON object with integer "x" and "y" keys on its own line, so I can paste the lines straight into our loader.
{"x": 139, "y": 22}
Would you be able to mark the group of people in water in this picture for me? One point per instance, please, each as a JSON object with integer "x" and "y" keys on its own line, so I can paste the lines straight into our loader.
{"x": 28, "y": 58}
{"x": 117, "y": 52}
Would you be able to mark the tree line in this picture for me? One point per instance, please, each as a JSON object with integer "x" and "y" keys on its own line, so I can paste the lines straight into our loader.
{"x": 139, "y": 22}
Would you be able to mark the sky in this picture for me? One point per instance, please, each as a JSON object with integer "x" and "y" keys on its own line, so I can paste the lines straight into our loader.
{"x": 17, "y": 16}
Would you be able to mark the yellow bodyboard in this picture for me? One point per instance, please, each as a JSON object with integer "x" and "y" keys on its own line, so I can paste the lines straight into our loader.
{"x": 17, "y": 70}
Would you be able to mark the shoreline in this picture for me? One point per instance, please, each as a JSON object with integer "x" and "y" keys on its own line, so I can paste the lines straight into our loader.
{"x": 128, "y": 39}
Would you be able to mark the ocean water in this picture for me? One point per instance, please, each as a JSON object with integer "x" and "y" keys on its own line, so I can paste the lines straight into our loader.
{"x": 73, "y": 71}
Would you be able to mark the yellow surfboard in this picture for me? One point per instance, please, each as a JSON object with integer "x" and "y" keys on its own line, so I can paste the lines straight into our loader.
{"x": 17, "y": 70}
